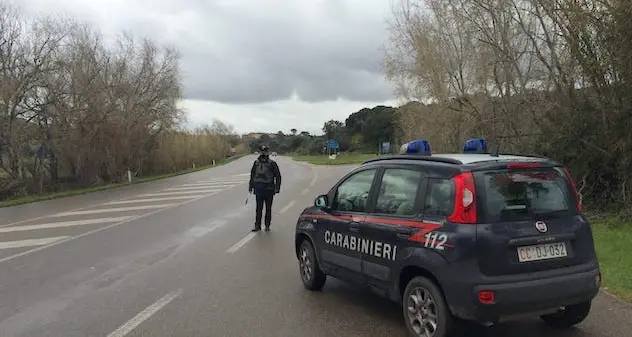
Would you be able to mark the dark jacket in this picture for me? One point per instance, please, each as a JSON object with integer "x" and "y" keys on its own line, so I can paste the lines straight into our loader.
{"x": 269, "y": 183}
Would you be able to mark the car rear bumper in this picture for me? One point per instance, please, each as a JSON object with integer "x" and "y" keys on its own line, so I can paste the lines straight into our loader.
{"x": 533, "y": 296}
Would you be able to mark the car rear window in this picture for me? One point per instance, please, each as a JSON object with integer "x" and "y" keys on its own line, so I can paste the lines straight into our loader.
{"x": 515, "y": 195}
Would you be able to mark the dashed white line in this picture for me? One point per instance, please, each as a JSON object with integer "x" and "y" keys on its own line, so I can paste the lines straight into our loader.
{"x": 30, "y": 242}
{"x": 284, "y": 209}
{"x": 311, "y": 184}
{"x": 142, "y": 316}
{"x": 109, "y": 210}
{"x": 63, "y": 224}
{"x": 241, "y": 243}
{"x": 133, "y": 201}
{"x": 314, "y": 179}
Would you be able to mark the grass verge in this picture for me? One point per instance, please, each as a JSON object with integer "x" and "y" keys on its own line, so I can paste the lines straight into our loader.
{"x": 343, "y": 159}
{"x": 78, "y": 191}
{"x": 613, "y": 239}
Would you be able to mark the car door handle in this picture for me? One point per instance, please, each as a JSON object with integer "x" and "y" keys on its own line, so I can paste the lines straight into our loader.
{"x": 404, "y": 232}
{"x": 354, "y": 226}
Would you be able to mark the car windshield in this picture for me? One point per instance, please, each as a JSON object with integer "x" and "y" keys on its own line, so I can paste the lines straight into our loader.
{"x": 525, "y": 194}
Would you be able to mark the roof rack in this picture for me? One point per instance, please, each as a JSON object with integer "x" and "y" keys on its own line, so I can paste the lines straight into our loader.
{"x": 416, "y": 157}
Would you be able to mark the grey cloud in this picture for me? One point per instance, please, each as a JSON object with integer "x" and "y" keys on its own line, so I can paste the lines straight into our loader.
{"x": 256, "y": 58}
{"x": 248, "y": 51}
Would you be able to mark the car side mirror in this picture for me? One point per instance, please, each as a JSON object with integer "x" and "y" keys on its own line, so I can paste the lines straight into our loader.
{"x": 321, "y": 201}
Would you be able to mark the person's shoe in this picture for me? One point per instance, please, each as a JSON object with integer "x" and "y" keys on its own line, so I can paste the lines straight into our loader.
{"x": 267, "y": 228}
{"x": 256, "y": 229}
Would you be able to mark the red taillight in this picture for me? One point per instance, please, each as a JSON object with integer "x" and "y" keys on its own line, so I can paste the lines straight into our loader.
{"x": 577, "y": 198}
{"x": 518, "y": 166}
{"x": 464, "y": 200}
{"x": 486, "y": 297}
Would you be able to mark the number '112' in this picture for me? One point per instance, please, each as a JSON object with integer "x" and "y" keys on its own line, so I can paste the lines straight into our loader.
{"x": 435, "y": 241}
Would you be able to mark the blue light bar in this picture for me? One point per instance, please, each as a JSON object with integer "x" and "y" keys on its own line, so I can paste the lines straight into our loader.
{"x": 475, "y": 145}
{"x": 418, "y": 146}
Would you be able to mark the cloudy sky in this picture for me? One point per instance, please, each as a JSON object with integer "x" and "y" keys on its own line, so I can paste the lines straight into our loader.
{"x": 259, "y": 65}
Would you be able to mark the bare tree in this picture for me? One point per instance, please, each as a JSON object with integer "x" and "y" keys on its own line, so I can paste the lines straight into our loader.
{"x": 534, "y": 75}
{"x": 73, "y": 110}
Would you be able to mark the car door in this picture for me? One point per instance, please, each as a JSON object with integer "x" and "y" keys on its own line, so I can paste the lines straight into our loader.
{"x": 394, "y": 208}
{"x": 339, "y": 231}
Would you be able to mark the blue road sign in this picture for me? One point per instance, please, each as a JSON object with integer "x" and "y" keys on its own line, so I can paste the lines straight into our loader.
{"x": 386, "y": 147}
{"x": 332, "y": 144}
{"x": 43, "y": 152}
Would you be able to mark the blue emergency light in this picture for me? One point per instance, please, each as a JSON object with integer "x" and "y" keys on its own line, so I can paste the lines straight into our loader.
{"x": 418, "y": 146}
{"x": 475, "y": 145}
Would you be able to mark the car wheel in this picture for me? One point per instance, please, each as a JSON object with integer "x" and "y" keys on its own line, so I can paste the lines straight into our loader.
{"x": 425, "y": 311}
{"x": 311, "y": 274}
{"x": 569, "y": 316}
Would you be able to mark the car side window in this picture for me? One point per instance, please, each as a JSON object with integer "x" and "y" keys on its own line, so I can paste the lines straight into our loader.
{"x": 440, "y": 197}
{"x": 352, "y": 195}
{"x": 398, "y": 191}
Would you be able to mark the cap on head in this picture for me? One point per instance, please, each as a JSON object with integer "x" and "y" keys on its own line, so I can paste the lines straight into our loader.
{"x": 264, "y": 148}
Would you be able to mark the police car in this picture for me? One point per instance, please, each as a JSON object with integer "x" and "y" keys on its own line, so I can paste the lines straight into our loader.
{"x": 469, "y": 236}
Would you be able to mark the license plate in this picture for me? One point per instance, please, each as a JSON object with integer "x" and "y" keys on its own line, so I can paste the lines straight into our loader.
{"x": 542, "y": 252}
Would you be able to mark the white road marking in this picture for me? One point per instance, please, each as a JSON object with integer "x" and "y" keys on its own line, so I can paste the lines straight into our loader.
{"x": 193, "y": 188}
{"x": 314, "y": 179}
{"x": 30, "y": 242}
{"x": 133, "y": 201}
{"x": 241, "y": 243}
{"x": 239, "y": 181}
{"x": 142, "y": 316}
{"x": 213, "y": 191}
{"x": 63, "y": 224}
{"x": 97, "y": 230}
{"x": 242, "y": 174}
{"x": 284, "y": 209}
{"x": 40, "y": 217}
{"x": 109, "y": 210}
{"x": 207, "y": 184}
{"x": 312, "y": 183}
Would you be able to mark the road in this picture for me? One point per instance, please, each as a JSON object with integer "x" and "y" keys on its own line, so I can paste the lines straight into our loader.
{"x": 175, "y": 258}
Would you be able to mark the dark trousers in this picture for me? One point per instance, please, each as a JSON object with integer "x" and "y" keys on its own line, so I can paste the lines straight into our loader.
{"x": 264, "y": 198}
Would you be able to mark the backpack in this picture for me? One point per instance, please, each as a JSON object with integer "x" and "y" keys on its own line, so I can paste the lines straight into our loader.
{"x": 263, "y": 172}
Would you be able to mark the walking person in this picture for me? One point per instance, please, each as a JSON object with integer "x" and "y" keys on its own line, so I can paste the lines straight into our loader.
{"x": 265, "y": 182}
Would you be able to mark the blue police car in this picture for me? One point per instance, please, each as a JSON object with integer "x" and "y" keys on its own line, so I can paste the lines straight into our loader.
{"x": 471, "y": 236}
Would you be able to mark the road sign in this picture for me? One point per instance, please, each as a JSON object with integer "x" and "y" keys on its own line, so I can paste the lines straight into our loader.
{"x": 43, "y": 152}
{"x": 332, "y": 144}
{"x": 386, "y": 147}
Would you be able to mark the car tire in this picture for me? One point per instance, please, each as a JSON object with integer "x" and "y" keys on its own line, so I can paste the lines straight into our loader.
{"x": 312, "y": 276}
{"x": 425, "y": 310}
{"x": 570, "y": 316}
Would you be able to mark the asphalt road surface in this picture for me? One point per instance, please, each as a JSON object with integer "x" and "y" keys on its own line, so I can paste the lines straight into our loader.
{"x": 176, "y": 258}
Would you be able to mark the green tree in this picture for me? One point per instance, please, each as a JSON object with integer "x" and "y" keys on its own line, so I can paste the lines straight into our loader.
{"x": 333, "y": 128}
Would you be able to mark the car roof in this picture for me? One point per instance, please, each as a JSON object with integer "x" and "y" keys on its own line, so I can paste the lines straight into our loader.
{"x": 463, "y": 159}
{"x": 471, "y": 158}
